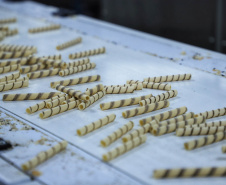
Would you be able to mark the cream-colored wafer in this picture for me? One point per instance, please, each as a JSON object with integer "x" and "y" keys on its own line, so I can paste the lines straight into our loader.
{"x": 223, "y": 148}
{"x": 44, "y": 155}
{"x": 8, "y": 20}
{"x": 124, "y": 148}
{"x": 15, "y": 80}
{"x": 123, "y": 102}
{"x": 56, "y": 102}
{"x": 10, "y": 68}
{"x": 145, "y": 109}
{"x": 4, "y": 28}
{"x": 117, "y": 134}
{"x": 11, "y": 32}
{"x": 190, "y": 172}
{"x": 211, "y": 124}
{"x": 14, "y": 85}
{"x": 81, "y": 80}
{"x": 35, "y": 60}
{"x": 213, "y": 113}
{"x": 54, "y": 57}
{"x": 10, "y": 77}
{"x": 16, "y": 54}
{"x": 59, "y": 109}
{"x": 94, "y": 90}
{"x": 77, "y": 69}
{"x": 160, "y": 130}
{"x": 42, "y": 105}
{"x": 137, "y": 86}
{"x": 119, "y": 90}
{"x": 69, "y": 43}
{"x": 160, "y": 97}
{"x": 53, "y": 63}
{"x": 32, "y": 68}
{"x": 44, "y": 73}
{"x": 44, "y": 28}
{"x": 169, "y": 78}
{"x": 191, "y": 145}
{"x": 139, "y": 131}
{"x": 159, "y": 86}
{"x": 21, "y": 61}
{"x": 29, "y": 96}
{"x": 164, "y": 116}
{"x": 72, "y": 92}
{"x": 69, "y": 100}
{"x": 12, "y": 47}
{"x": 92, "y": 99}
{"x": 79, "y": 62}
{"x": 87, "y": 53}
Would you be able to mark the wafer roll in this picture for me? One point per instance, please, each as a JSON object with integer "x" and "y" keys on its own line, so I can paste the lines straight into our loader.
{"x": 36, "y": 60}
{"x": 123, "y": 102}
{"x": 14, "y": 85}
{"x": 190, "y": 172}
{"x": 44, "y": 155}
{"x": 119, "y": 90}
{"x": 16, "y": 54}
{"x": 4, "y": 28}
{"x": 124, "y": 148}
{"x": 29, "y": 96}
{"x": 53, "y": 63}
{"x": 160, "y": 97}
{"x": 15, "y": 80}
{"x": 169, "y": 78}
{"x": 77, "y": 69}
{"x": 191, "y": 145}
{"x": 8, "y": 20}
{"x": 11, "y": 32}
{"x": 45, "y": 28}
{"x": 91, "y": 100}
{"x": 72, "y": 92}
{"x": 145, "y": 109}
{"x": 42, "y": 105}
{"x": 54, "y": 57}
{"x": 94, "y": 90}
{"x": 59, "y": 109}
{"x": 95, "y": 125}
{"x": 21, "y": 61}
{"x": 137, "y": 86}
{"x": 10, "y": 68}
{"x": 87, "y": 53}
{"x": 44, "y": 73}
{"x": 139, "y": 131}
{"x": 32, "y": 68}
{"x": 164, "y": 116}
{"x": 81, "y": 80}
{"x": 223, "y": 149}
{"x": 133, "y": 81}
{"x": 117, "y": 134}
{"x": 159, "y": 86}
{"x": 79, "y": 62}
{"x": 69, "y": 100}
{"x": 172, "y": 127}
{"x": 213, "y": 113}
{"x": 211, "y": 124}
{"x": 69, "y": 43}
{"x": 10, "y": 77}
{"x": 13, "y": 48}
{"x": 56, "y": 102}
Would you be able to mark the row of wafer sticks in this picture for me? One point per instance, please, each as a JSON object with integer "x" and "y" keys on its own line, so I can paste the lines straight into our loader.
{"x": 5, "y": 31}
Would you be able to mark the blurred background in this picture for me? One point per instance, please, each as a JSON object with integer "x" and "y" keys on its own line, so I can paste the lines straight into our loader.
{"x": 196, "y": 22}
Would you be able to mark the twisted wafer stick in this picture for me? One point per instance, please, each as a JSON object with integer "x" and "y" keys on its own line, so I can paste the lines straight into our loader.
{"x": 36, "y": 60}
{"x": 44, "y": 155}
{"x": 191, "y": 145}
{"x": 44, "y": 28}
{"x": 119, "y": 90}
{"x": 137, "y": 86}
{"x": 10, "y": 77}
{"x": 94, "y": 90}
{"x": 77, "y": 69}
{"x": 91, "y": 100}
{"x": 123, "y": 102}
{"x": 81, "y": 80}
{"x": 69, "y": 100}
{"x": 169, "y": 78}
{"x": 54, "y": 57}
{"x": 14, "y": 85}
{"x": 42, "y": 105}
{"x": 21, "y": 61}
{"x": 10, "y": 68}
{"x": 12, "y": 48}
{"x": 32, "y": 68}
{"x": 11, "y": 32}
{"x": 96, "y": 125}
{"x": 164, "y": 116}
{"x": 29, "y": 96}
{"x": 69, "y": 43}
{"x": 145, "y": 109}
{"x": 213, "y": 113}
{"x": 4, "y": 28}
{"x": 223, "y": 149}
{"x": 199, "y": 131}
{"x": 15, "y": 80}
{"x": 190, "y": 172}
{"x": 87, "y": 53}
{"x": 44, "y": 73}
{"x": 172, "y": 127}
{"x": 211, "y": 124}
{"x": 159, "y": 86}
{"x": 72, "y": 92}
{"x": 8, "y": 20}
{"x": 53, "y": 63}
{"x": 117, "y": 134}
{"x": 79, "y": 62}
{"x": 138, "y": 132}
{"x": 124, "y": 148}
{"x": 56, "y": 102}
{"x": 16, "y": 54}
{"x": 160, "y": 97}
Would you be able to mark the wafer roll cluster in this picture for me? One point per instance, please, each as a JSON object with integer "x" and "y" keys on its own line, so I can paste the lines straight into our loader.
{"x": 69, "y": 43}
{"x": 87, "y": 53}
{"x": 44, "y": 28}
{"x": 56, "y": 102}
{"x": 169, "y": 78}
